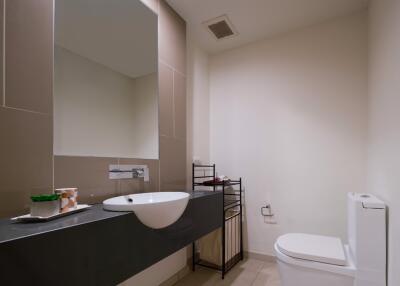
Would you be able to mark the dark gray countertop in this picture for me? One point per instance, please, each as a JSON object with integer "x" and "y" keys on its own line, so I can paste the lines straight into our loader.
{"x": 10, "y": 230}
{"x": 98, "y": 247}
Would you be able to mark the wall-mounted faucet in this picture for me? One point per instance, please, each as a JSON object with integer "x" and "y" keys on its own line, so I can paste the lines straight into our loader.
{"x": 128, "y": 172}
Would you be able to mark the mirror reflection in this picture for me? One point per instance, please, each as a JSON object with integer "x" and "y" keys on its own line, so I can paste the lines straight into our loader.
{"x": 105, "y": 79}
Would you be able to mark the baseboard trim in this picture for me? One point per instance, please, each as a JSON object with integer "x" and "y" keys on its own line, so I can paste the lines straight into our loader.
{"x": 260, "y": 256}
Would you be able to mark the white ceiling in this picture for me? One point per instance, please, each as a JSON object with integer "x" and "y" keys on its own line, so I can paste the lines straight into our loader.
{"x": 258, "y": 19}
{"x": 119, "y": 34}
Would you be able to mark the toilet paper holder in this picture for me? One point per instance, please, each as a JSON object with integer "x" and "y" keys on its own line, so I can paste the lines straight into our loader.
{"x": 266, "y": 211}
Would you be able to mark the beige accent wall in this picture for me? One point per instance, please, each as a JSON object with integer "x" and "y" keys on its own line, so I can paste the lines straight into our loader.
{"x": 26, "y": 144}
{"x": 90, "y": 175}
{"x": 384, "y": 120}
{"x": 172, "y": 94}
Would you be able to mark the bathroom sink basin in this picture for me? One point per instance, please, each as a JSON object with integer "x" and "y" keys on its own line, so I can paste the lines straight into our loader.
{"x": 155, "y": 210}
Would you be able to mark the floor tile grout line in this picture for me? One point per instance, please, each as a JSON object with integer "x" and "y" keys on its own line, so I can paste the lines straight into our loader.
{"x": 213, "y": 278}
{"x": 258, "y": 273}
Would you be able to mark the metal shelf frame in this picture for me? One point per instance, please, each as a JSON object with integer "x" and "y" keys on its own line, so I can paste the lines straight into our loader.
{"x": 231, "y": 218}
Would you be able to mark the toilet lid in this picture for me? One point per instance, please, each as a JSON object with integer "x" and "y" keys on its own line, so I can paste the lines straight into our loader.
{"x": 316, "y": 248}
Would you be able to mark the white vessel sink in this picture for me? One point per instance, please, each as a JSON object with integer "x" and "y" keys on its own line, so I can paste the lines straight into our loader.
{"x": 156, "y": 210}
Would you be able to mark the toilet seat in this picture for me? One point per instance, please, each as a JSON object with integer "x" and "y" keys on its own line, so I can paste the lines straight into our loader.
{"x": 347, "y": 270}
{"x": 317, "y": 248}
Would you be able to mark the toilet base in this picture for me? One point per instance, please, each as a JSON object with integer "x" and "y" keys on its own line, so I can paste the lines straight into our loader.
{"x": 294, "y": 275}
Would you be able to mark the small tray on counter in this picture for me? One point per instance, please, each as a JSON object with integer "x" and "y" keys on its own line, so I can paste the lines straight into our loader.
{"x": 29, "y": 218}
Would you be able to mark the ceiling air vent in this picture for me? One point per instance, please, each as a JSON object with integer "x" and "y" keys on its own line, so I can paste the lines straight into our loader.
{"x": 220, "y": 27}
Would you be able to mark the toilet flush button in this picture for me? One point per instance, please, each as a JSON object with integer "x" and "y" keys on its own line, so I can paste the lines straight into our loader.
{"x": 373, "y": 205}
{"x": 371, "y": 202}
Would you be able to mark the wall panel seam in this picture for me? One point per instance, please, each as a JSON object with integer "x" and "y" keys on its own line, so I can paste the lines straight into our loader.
{"x": 26, "y": 110}
{"x": 173, "y": 105}
{"x": 171, "y": 67}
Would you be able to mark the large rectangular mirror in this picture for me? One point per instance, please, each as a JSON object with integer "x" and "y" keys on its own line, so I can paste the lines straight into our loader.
{"x": 105, "y": 79}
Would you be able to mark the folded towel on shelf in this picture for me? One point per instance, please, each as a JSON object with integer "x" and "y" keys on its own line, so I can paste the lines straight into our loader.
{"x": 217, "y": 181}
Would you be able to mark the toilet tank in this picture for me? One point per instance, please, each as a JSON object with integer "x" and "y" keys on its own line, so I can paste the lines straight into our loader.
{"x": 367, "y": 238}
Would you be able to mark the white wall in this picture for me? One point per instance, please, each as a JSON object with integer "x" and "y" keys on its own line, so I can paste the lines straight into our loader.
{"x": 198, "y": 93}
{"x": 384, "y": 121}
{"x": 288, "y": 114}
{"x": 103, "y": 113}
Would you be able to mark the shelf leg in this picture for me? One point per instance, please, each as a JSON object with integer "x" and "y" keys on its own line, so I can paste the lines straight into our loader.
{"x": 193, "y": 257}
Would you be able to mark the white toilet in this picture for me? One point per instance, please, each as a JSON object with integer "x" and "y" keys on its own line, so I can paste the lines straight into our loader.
{"x": 313, "y": 260}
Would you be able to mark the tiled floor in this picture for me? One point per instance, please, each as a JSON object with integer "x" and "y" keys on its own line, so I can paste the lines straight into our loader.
{"x": 249, "y": 272}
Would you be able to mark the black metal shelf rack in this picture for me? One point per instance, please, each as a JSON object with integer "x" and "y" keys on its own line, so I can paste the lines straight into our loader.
{"x": 232, "y": 230}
